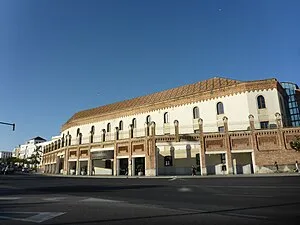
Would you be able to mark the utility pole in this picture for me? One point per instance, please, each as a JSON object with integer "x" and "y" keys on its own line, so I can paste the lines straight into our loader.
{"x": 10, "y": 124}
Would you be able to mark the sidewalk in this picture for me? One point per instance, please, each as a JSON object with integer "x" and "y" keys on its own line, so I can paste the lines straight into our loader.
{"x": 176, "y": 177}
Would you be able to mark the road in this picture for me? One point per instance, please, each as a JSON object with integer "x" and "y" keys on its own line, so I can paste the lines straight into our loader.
{"x": 37, "y": 199}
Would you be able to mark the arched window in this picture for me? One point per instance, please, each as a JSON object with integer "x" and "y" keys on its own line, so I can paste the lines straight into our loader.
{"x": 196, "y": 112}
{"x": 261, "y": 104}
{"x": 58, "y": 143}
{"x": 121, "y": 125}
{"x": 108, "y": 127}
{"x": 80, "y": 138}
{"x": 134, "y": 123}
{"x": 148, "y": 119}
{"x": 220, "y": 108}
{"x": 166, "y": 117}
{"x": 92, "y": 134}
{"x": 70, "y": 139}
{"x": 63, "y": 140}
{"x": 78, "y": 132}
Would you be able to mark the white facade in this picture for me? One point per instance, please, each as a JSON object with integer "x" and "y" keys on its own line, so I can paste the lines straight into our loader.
{"x": 26, "y": 150}
{"x": 237, "y": 108}
{"x": 5, "y": 154}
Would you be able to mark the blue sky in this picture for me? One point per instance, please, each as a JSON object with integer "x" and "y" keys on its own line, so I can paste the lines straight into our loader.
{"x": 58, "y": 57}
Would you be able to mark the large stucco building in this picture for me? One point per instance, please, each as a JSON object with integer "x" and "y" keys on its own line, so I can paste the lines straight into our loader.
{"x": 221, "y": 126}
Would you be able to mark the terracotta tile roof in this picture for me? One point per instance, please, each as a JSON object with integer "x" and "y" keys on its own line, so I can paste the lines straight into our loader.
{"x": 174, "y": 93}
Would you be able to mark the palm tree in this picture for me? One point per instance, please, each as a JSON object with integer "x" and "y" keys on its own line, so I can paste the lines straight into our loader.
{"x": 295, "y": 144}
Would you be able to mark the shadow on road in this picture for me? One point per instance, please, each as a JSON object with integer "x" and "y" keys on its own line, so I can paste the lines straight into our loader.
{"x": 219, "y": 212}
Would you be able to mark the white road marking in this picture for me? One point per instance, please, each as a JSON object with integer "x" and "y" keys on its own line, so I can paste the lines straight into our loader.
{"x": 184, "y": 189}
{"x": 9, "y": 198}
{"x": 244, "y": 215}
{"x": 43, "y": 216}
{"x": 245, "y": 195}
{"x": 225, "y": 213}
{"x": 37, "y": 218}
{"x": 54, "y": 199}
{"x": 99, "y": 200}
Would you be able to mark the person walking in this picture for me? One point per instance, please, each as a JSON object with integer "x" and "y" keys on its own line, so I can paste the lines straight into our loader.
{"x": 296, "y": 167}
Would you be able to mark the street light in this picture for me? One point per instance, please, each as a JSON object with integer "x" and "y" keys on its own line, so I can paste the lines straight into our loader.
{"x": 10, "y": 124}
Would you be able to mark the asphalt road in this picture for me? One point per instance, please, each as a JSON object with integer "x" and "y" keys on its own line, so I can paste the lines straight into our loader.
{"x": 36, "y": 199}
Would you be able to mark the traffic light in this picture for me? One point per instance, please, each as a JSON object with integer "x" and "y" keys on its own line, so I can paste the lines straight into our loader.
{"x": 14, "y": 126}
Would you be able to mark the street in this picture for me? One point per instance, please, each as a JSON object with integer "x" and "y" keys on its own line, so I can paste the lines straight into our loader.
{"x": 38, "y": 199}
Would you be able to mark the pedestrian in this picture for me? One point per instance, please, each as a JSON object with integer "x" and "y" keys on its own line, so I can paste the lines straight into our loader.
{"x": 93, "y": 170}
{"x": 296, "y": 167}
{"x": 276, "y": 166}
{"x": 193, "y": 171}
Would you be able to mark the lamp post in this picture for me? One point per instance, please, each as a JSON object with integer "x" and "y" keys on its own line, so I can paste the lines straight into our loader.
{"x": 10, "y": 124}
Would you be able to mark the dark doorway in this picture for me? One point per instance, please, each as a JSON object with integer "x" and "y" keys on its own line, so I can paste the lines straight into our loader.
{"x": 123, "y": 169}
{"x": 139, "y": 164}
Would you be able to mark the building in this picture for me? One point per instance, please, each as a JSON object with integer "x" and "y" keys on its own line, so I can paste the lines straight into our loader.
{"x": 292, "y": 91}
{"x": 27, "y": 149}
{"x": 219, "y": 125}
{"x": 16, "y": 152}
{"x": 5, "y": 154}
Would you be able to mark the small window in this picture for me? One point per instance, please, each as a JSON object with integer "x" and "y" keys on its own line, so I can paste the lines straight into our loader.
{"x": 223, "y": 158}
{"x": 107, "y": 164}
{"x": 121, "y": 125}
{"x": 78, "y": 132}
{"x": 221, "y": 129}
{"x": 220, "y": 108}
{"x": 168, "y": 161}
{"x": 108, "y": 128}
{"x": 92, "y": 129}
{"x": 80, "y": 139}
{"x": 166, "y": 117}
{"x": 148, "y": 119}
{"x": 134, "y": 123}
{"x": 264, "y": 125}
{"x": 196, "y": 113}
{"x": 261, "y": 104}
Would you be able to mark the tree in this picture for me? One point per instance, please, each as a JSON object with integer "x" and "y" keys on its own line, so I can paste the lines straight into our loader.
{"x": 295, "y": 144}
{"x": 35, "y": 158}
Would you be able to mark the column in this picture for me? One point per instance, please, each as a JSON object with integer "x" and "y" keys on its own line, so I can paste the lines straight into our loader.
{"x": 176, "y": 124}
{"x": 77, "y": 162}
{"x": 202, "y": 148}
{"x": 279, "y": 131}
{"x": 227, "y": 145}
{"x": 116, "y": 161}
{"x": 253, "y": 140}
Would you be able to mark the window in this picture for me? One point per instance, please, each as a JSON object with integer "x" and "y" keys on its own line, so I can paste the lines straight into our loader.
{"x": 168, "y": 161}
{"x": 107, "y": 164}
{"x": 261, "y": 104}
{"x": 148, "y": 119}
{"x": 134, "y": 123}
{"x": 92, "y": 134}
{"x": 220, "y": 108}
{"x": 80, "y": 139}
{"x": 121, "y": 125}
{"x": 221, "y": 129}
{"x": 103, "y": 135}
{"x": 78, "y": 132}
{"x": 70, "y": 138}
{"x": 223, "y": 158}
{"x": 166, "y": 117}
{"x": 264, "y": 125}
{"x": 195, "y": 112}
{"x": 108, "y": 128}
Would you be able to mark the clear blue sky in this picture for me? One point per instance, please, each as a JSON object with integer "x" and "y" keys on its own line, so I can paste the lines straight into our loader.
{"x": 58, "y": 57}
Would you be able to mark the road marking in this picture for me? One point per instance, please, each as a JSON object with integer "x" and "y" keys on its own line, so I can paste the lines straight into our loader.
{"x": 245, "y": 195}
{"x": 244, "y": 215}
{"x": 54, "y": 199}
{"x": 36, "y": 217}
{"x": 225, "y": 213}
{"x": 99, "y": 200}
{"x": 241, "y": 186}
{"x": 184, "y": 189}
{"x": 9, "y": 198}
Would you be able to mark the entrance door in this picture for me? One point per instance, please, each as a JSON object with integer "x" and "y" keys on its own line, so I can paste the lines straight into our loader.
{"x": 139, "y": 164}
{"x": 123, "y": 168}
